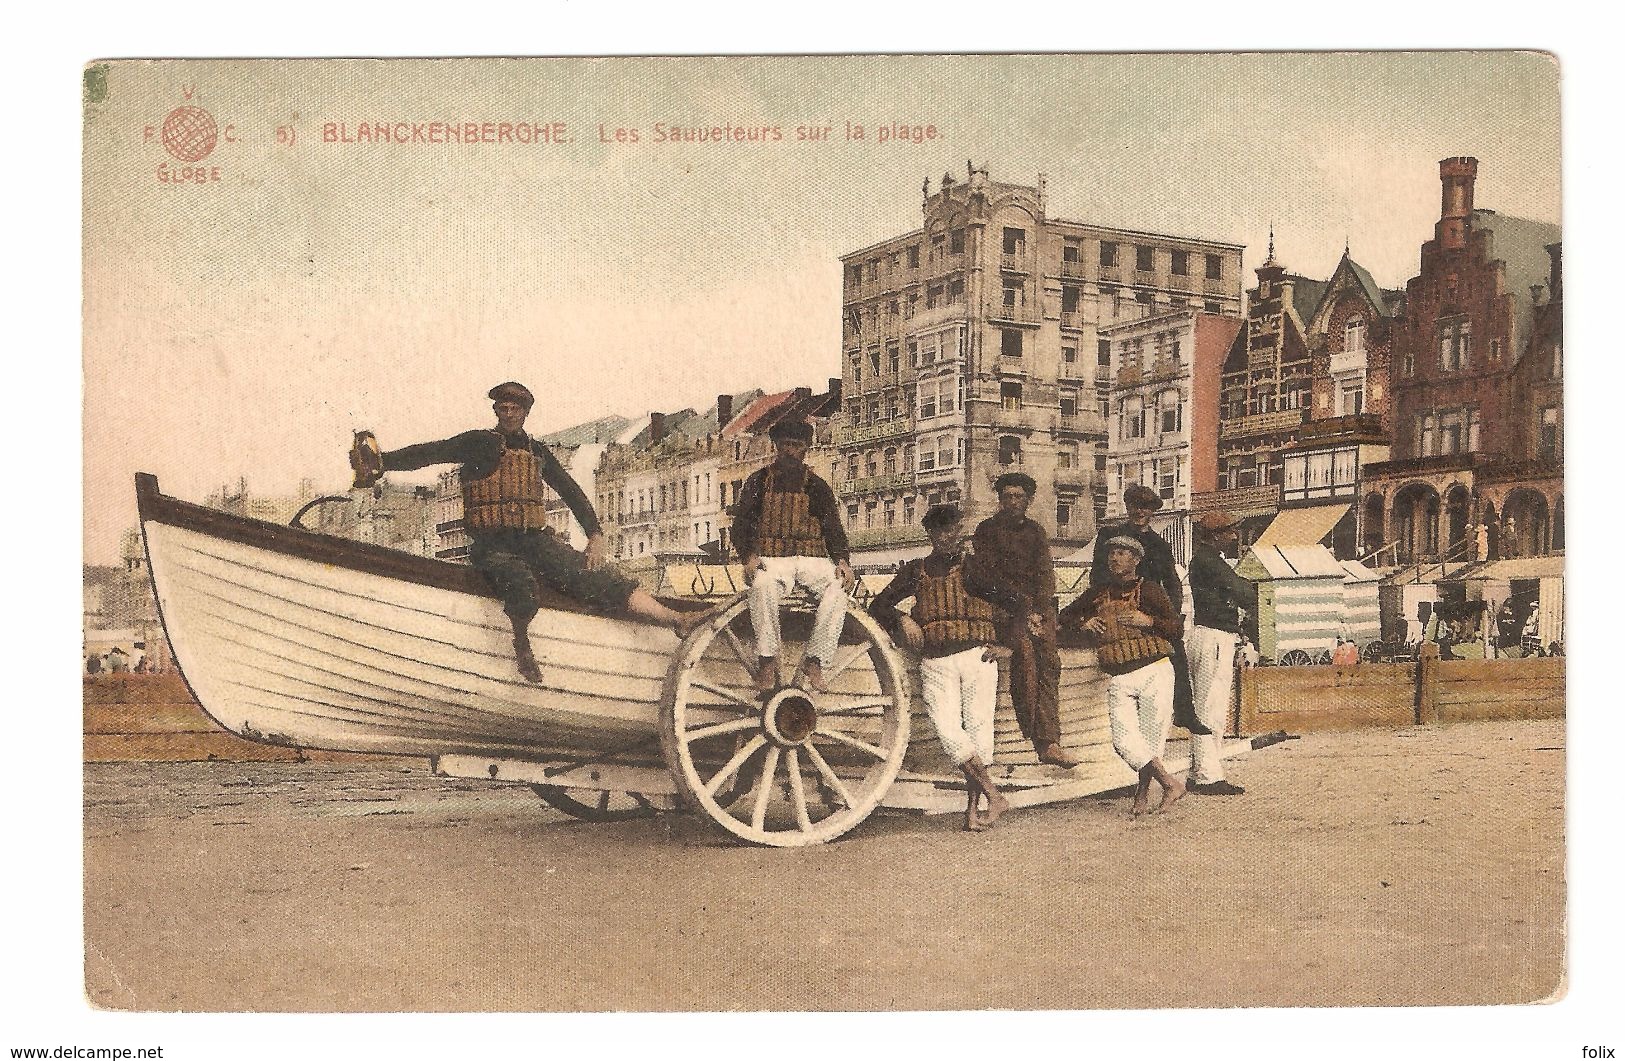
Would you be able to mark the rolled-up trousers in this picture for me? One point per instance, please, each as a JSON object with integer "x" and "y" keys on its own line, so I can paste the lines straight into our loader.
{"x": 777, "y": 577}
{"x": 1141, "y": 706}
{"x": 960, "y": 691}
{"x": 1212, "y": 656}
{"x": 1035, "y": 682}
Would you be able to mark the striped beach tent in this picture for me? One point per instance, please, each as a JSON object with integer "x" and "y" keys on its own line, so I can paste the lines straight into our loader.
{"x": 1300, "y": 598}
{"x": 1362, "y": 617}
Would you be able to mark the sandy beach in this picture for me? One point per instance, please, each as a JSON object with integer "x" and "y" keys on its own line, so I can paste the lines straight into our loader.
{"x": 1421, "y": 866}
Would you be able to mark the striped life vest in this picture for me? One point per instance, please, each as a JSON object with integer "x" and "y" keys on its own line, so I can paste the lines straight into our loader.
{"x": 510, "y": 498}
{"x": 947, "y": 611}
{"x": 1124, "y": 648}
{"x": 787, "y": 525}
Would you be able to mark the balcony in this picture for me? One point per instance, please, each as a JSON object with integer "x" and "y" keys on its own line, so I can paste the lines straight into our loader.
{"x": 1181, "y": 283}
{"x": 1215, "y": 287}
{"x": 1074, "y": 479}
{"x": 1015, "y": 263}
{"x": 1262, "y": 423}
{"x": 1111, "y": 274}
{"x": 1348, "y": 362}
{"x": 1072, "y": 269}
{"x": 1242, "y": 500}
{"x": 877, "y": 537}
{"x": 876, "y": 484}
{"x": 1013, "y": 314}
{"x": 1361, "y": 427}
{"x": 1071, "y": 319}
{"x": 876, "y": 432}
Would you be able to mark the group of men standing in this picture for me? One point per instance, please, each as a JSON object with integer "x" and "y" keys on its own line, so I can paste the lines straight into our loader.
{"x": 972, "y": 609}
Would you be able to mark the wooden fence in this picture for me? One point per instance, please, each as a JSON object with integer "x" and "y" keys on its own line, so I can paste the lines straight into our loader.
{"x": 1309, "y": 699}
{"x": 153, "y": 718}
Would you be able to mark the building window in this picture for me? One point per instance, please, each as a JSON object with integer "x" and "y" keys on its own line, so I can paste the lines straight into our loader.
{"x": 1010, "y": 342}
{"x": 908, "y": 512}
{"x": 1407, "y": 366}
{"x": 1015, "y": 240}
{"x": 1066, "y": 457}
{"x": 956, "y": 290}
{"x": 928, "y": 455}
{"x": 1010, "y": 396}
{"x": 1009, "y": 450}
{"x": 1455, "y": 345}
{"x": 1012, "y": 295}
{"x": 933, "y": 295}
{"x": 1212, "y": 307}
{"x": 1549, "y": 433}
{"x": 1072, "y": 252}
{"x": 1354, "y": 336}
{"x": 852, "y": 515}
{"x": 1426, "y": 435}
{"x": 1108, "y": 255}
{"x": 1215, "y": 267}
{"x": 908, "y": 458}
{"x": 1351, "y": 400}
{"x": 1069, "y": 299}
{"x": 1173, "y": 413}
{"x": 914, "y": 256}
{"x": 894, "y": 357}
{"x": 1103, "y": 353}
{"x": 1069, "y": 355}
{"x": 869, "y": 514}
{"x": 1182, "y": 263}
{"x": 891, "y": 513}
{"x": 956, "y": 241}
{"x": 871, "y": 466}
{"x": 1063, "y": 513}
{"x": 1069, "y": 404}
{"x": 1142, "y": 259}
{"x": 1131, "y": 412}
{"x": 889, "y": 461}
{"x": 1472, "y": 431}
{"x": 1167, "y": 477}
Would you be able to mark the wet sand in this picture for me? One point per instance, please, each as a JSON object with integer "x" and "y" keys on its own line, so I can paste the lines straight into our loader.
{"x": 1419, "y": 866}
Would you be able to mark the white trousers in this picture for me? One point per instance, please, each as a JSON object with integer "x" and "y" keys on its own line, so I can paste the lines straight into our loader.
{"x": 774, "y": 581}
{"x": 960, "y": 691}
{"x": 1212, "y": 656}
{"x": 1141, "y": 706}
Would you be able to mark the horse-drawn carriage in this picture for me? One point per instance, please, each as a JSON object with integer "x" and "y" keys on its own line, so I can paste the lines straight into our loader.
{"x": 295, "y": 638}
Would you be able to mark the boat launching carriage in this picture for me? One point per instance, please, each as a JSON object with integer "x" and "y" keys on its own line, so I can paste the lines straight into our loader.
{"x": 291, "y": 637}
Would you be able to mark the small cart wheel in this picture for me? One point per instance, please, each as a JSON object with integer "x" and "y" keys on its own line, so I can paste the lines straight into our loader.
{"x": 1296, "y": 658}
{"x": 789, "y": 767}
{"x": 596, "y": 805}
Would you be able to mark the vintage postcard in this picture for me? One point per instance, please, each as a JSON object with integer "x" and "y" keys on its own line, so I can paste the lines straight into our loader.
{"x": 938, "y": 532}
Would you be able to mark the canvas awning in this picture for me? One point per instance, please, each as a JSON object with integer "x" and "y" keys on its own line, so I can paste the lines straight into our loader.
{"x": 1295, "y": 527}
{"x": 1522, "y": 567}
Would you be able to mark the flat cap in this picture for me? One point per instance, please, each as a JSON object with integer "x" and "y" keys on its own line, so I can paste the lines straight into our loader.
{"x": 1213, "y": 522}
{"x": 791, "y": 431}
{"x": 1137, "y": 496}
{"x": 512, "y": 392}
{"x": 1123, "y": 541}
{"x": 1021, "y": 479}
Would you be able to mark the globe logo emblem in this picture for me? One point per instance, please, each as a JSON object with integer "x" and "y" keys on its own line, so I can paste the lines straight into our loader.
{"x": 189, "y": 133}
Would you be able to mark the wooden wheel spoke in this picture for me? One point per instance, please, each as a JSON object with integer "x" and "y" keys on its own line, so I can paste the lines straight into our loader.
{"x": 851, "y": 742}
{"x": 875, "y": 706}
{"x": 641, "y": 801}
{"x": 764, "y": 789}
{"x": 846, "y": 661}
{"x": 737, "y": 725}
{"x": 831, "y": 779}
{"x": 603, "y": 800}
{"x": 798, "y": 792}
{"x": 739, "y": 650}
{"x": 731, "y": 767}
{"x": 727, "y": 694}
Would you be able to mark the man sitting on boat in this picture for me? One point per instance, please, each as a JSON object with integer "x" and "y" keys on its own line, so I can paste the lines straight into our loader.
{"x": 788, "y": 533}
{"x": 1134, "y": 626}
{"x": 503, "y": 472}
{"x": 953, "y": 631}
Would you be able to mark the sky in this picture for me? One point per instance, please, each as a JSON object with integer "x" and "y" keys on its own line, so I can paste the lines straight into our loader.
{"x": 247, "y": 325}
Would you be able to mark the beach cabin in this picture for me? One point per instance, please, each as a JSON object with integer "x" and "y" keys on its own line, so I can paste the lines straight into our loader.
{"x": 1362, "y": 616}
{"x": 1300, "y": 598}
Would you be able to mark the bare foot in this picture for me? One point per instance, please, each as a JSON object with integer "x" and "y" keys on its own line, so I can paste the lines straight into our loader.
{"x": 973, "y": 822}
{"x": 529, "y": 669}
{"x": 1055, "y": 755}
{"x": 767, "y": 676}
{"x": 1142, "y": 792}
{"x": 997, "y": 804}
{"x": 1171, "y": 795}
{"x": 813, "y": 673}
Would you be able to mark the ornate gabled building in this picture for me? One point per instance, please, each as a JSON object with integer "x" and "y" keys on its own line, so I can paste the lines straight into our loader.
{"x": 1265, "y": 393}
{"x": 1347, "y": 427}
{"x": 1470, "y": 334}
{"x": 970, "y": 348}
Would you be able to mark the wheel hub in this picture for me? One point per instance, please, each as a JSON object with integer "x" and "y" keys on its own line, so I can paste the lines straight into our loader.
{"x": 789, "y": 718}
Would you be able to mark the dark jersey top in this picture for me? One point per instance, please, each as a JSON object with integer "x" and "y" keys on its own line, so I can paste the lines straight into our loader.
{"x": 479, "y": 452}
{"x": 1217, "y": 591}
{"x": 820, "y": 502}
{"x": 1017, "y": 554}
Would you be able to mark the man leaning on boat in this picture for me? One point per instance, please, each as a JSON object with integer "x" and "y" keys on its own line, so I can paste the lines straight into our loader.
{"x": 503, "y": 472}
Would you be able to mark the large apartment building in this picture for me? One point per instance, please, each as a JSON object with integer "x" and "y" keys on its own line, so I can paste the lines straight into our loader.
{"x": 971, "y": 347}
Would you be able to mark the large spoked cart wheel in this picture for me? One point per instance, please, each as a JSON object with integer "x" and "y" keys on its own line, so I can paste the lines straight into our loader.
{"x": 789, "y": 767}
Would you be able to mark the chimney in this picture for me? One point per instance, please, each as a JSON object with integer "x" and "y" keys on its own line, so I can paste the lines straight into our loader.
{"x": 657, "y": 427}
{"x": 1537, "y": 292}
{"x": 835, "y": 389}
{"x": 725, "y": 409}
{"x": 1456, "y": 177}
{"x": 803, "y": 393}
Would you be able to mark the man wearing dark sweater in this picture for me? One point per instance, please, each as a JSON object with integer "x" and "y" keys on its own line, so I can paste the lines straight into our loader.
{"x": 1217, "y": 595}
{"x": 952, "y": 629}
{"x": 1134, "y": 627}
{"x": 503, "y": 472}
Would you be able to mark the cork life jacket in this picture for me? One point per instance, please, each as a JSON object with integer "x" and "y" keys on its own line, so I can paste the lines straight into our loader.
{"x": 788, "y": 527}
{"x": 948, "y": 613}
{"x": 1123, "y": 648}
{"x": 510, "y": 498}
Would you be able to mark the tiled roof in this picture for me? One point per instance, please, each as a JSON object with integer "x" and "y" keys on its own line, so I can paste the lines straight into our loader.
{"x": 1521, "y": 244}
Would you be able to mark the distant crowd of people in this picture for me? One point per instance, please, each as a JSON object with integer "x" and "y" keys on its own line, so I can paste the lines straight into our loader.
{"x": 117, "y": 661}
